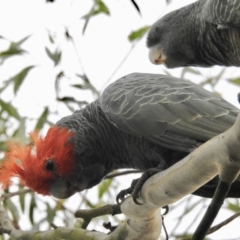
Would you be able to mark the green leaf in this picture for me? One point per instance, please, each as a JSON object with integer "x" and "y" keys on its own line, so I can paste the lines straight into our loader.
{"x": 50, "y": 213}
{"x": 83, "y": 77}
{"x": 89, "y": 204}
{"x": 19, "y": 77}
{"x": 22, "y": 199}
{"x": 104, "y": 187}
{"x": 235, "y": 81}
{"x": 14, "y": 49}
{"x": 13, "y": 209}
{"x": 50, "y": 38}
{"x": 5, "y": 84}
{"x": 59, "y": 76}
{"x": 42, "y": 119}
{"x": 233, "y": 207}
{"x": 55, "y": 57}
{"x": 7, "y": 107}
{"x": 67, "y": 99}
{"x": 79, "y": 86}
{"x": 87, "y": 85}
{"x": 138, "y": 34}
{"x": 31, "y": 209}
{"x": 98, "y": 7}
{"x": 19, "y": 133}
{"x": 3, "y": 146}
{"x": 19, "y": 43}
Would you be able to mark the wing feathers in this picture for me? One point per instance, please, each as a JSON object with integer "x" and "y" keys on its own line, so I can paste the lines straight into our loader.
{"x": 171, "y": 112}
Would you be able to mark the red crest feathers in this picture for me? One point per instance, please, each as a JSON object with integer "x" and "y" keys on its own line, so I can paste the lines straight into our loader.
{"x": 28, "y": 162}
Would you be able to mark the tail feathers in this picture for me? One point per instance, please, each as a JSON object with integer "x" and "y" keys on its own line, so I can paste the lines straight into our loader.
{"x": 209, "y": 188}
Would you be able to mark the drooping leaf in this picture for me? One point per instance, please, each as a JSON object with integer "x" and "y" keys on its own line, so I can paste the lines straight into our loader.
{"x": 97, "y": 8}
{"x": 22, "y": 199}
{"x": 57, "y": 81}
{"x": 55, "y": 56}
{"x": 5, "y": 84}
{"x": 89, "y": 203}
{"x": 7, "y": 107}
{"x": 136, "y": 6}
{"x": 138, "y": 34}
{"x": 50, "y": 38}
{"x": 11, "y": 51}
{"x": 19, "y": 78}
{"x": 104, "y": 187}
{"x": 83, "y": 77}
{"x": 87, "y": 85}
{"x": 19, "y": 133}
{"x": 42, "y": 119}
{"x": 50, "y": 213}
{"x": 233, "y": 207}
{"x": 3, "y": 146}
{"x": 235, "y": 81}
{"x": 13, "y": 209}
{"x": 33, "y": 205}
{"x": 20, "y": 42}
{"x": 79, "y": 86}
{"x": 14, "y": 49}
{"x": 67, "y": 99}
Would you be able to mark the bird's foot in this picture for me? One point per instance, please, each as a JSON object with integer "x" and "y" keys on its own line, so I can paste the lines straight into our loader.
{"x": 109, "y": 227}
{"x": 136, "y": 186}
{"x": 123, "y": 193}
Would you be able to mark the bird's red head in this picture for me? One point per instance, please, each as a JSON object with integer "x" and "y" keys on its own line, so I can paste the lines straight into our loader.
{"x": 39, "y": 166}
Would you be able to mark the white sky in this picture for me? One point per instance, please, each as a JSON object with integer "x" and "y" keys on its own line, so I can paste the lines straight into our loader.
{"x": 101, "y": 49}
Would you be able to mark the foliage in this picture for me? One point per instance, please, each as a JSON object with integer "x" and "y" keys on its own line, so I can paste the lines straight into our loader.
{"x": 13, "y": 123}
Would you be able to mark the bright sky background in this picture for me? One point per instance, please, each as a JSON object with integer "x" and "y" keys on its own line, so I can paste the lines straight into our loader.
{"x": 101, "y": 50}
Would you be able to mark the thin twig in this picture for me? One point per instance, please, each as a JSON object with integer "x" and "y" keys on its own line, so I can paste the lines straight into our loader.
{"x": 88, "y": 215}
{"x": 120, "y": 64}
{"x": 218, "y": 226}
{"x": 225, "y": 222}
{"x": 9, "y": 195}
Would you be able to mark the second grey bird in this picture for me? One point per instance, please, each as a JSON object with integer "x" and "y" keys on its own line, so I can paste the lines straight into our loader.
{"x": 204, "y": 33}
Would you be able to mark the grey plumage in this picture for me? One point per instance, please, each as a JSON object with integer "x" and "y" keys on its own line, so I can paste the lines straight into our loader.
{"x": 143, "y": 121}
{"x": 204, "y": 33}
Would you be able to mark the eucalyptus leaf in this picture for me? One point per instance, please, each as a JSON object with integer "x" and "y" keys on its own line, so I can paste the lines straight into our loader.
{"x": 10, "y": 109}
{"x": 54, "y": 56}
{"x": 235, "y": 81}
{"x": 33, "y": 205}
{"x": 97, "y": 8}
{"x": 19, "y": 78}
{"x": 138, "y": 34}
{"x": 42, "y": 119}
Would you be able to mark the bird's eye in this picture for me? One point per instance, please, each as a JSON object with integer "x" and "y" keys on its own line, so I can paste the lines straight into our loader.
{"x": 50, "y": 165}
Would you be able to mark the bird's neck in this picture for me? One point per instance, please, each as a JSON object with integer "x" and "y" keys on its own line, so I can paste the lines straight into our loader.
{"x": 99, "y": 143}
{"x": 117, "y": 148}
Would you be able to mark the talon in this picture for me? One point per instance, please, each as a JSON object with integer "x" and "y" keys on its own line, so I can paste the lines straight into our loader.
{"x": 166, "y": 210}
{"x": 136, "y": 186}
{"x": 121, "y": 195}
